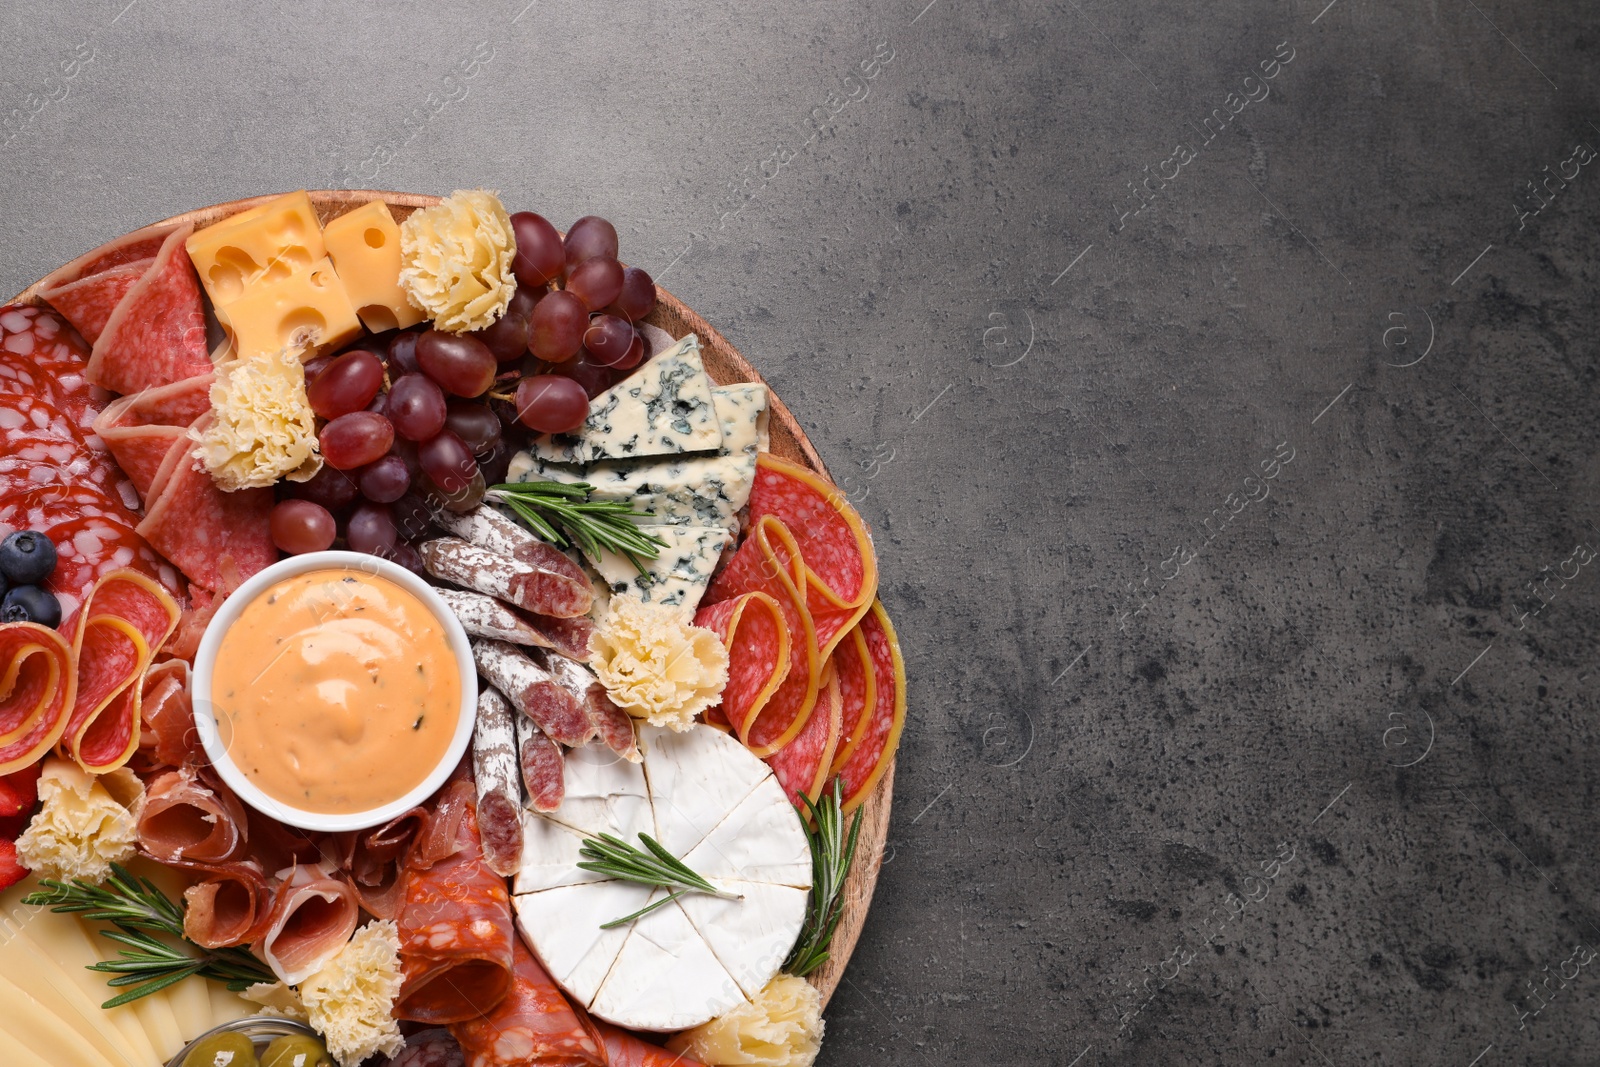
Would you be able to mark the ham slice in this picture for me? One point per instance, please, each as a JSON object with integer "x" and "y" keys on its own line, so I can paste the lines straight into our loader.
{"x": 188, "y": 817}
{"x": 168, "y": 737}
{"x": 379, "y": 860}
{"x": 230, "y": 907}
{"x": 157, "y": 333}
{"x": 313, "y": 915}
{"x": 533, "y": 1024}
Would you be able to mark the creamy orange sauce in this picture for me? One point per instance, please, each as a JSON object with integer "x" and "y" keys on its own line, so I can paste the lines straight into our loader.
{"x": 336, "y": 691}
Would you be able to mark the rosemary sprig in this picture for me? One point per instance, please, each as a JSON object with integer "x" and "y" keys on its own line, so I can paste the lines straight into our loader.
{"x": 831, "y": 853}
{"x": 140, "y": 911}
{"x": 563, "y": 514}
{"x": 616, "y": 858}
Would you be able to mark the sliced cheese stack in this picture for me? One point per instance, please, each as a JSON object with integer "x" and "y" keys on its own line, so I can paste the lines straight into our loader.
{"x": 711, "y": 803}
{"x": 674, "y": 445}
{"x": 50, "y": 1010}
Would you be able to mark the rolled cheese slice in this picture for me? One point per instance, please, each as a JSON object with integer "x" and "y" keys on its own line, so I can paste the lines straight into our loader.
{"x": 713, "y": 804}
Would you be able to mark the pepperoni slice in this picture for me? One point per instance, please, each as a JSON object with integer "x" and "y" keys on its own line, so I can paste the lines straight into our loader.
{"x": 90, "y": 547}
{"x": 56, "y": 349}
{"x": 47, "y": 506}
{"x": 887, "y": 717}
{"x": 803, "y": 764}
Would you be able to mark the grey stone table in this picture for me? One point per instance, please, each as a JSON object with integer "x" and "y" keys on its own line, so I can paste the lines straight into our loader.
{"x": 1219, "y": 382}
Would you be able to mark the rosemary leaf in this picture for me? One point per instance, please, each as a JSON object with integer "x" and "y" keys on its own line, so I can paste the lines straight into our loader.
{"x": 832, "y": 852}
{"x": 611, "y": 856}
{"x": 564, "y": 515}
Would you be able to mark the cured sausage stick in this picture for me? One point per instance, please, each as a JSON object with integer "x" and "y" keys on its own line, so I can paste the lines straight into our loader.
{"x": 533, "y": 690}
{"x": 494, "y": 765}
{"x": 526, "y": 585}
{"x": 501, "y": 534}
{"x": 610, "y": 723}
{"x": 543, "y": 768}
{"x": 484, "y": 616}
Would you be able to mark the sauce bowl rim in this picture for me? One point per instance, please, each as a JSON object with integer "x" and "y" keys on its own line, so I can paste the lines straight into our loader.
{"x": 228, "y": 613}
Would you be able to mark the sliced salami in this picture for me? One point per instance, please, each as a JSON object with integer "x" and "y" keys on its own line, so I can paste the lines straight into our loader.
{"x": 803, "y": 764}
{"x": 24, "y": 413}
{"x": 533, "y": 690}
{"x": 209, "y": 535}
{"x": 90, "y": 547}
{"x": 88, "y": 302}
{"x": 157, "y": 334}
{"x": 56, "y": 349}
{"x": 484, "y": 616}
{"x": 140, "y": 244}
{"x": 533, "y": 1024}
{"x": 141, "y": 430}
{"x": 533, "y": 588}
{"x": 754, "y": 632}
{"x": 857, "y": 692}
{"x": 44, "y": 507}
{"x": 881, "y": 731}
{"x": 494, "y": 767}
{"x": 33, "y": 710}
{"x": 625, "y": 1050}
{"x": 609, "y": 722}
{"x": 543, "y": 766}
{"x": 19, "y": 374}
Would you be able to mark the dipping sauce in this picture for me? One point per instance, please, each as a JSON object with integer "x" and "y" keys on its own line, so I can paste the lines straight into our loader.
{"x": 336, "y": 691}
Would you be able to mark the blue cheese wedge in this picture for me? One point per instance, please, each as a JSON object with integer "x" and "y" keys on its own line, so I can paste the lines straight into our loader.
{"x": 678, "y": 576}
{"x": 664, "y": 409}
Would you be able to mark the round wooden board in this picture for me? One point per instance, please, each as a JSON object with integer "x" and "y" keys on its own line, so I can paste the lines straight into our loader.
{"x": 725, "y": 366}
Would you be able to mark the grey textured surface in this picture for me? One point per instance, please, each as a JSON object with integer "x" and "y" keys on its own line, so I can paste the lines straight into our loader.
{"x": 1122, "y": 717}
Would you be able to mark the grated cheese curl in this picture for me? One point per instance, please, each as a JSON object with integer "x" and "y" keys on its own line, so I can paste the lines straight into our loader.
{"x": 261, "y": 427}
{"x": 781, "y": 1028}
{"x": 655, "y": 664}
{"x": 455, "y": 260}
{"x": 85, "y": 824}
{"x": 349, "y": 999}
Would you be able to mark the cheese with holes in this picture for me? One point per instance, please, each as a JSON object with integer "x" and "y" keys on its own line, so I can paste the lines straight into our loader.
{"x": 678, "y": 576}
{"x": 306, "y": 312}
{"x": 695, "y": 958}
{"x": 271, "y": 242}
{"x": 365, "y": 248}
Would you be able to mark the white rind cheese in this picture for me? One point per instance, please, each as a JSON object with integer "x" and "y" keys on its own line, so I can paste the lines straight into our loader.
{"x": 700, "y": 956}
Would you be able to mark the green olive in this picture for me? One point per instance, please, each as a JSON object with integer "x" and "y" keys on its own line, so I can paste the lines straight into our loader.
{"x": 222, "y": 1050}
{"x": 296, "y": 1050}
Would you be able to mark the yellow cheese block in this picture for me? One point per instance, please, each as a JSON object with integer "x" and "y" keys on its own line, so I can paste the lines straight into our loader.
{"x": 153, "y": 1013}
{"x": 365, "y": 248}
{"x": 271, "y": 242}
{"x": 36, "y": 1034}
{"x": 307, "y": 312}
{"x": 52, "y": 983}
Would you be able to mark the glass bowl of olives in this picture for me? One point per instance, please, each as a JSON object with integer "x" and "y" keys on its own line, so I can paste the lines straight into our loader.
{"x": 258, "y": 1041}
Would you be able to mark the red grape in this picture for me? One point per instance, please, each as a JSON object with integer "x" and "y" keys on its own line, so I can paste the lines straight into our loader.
{"x": 385, "y": 480}
{"x": 356, "y": 439}
{"x": 332, "y": 489}
{"x": 416, "y": 407}
{"x": 475, "y": 424}
{"x": 608, "y": 340}
{"x": 591, "y": 237}
{"x": 314, "y": 367}
{"x": 559, "y": 321}
{"x": 413, "y": 516}
{"x": 409, "y": 558}
{"x": 403, "y": 351}
{"x": 597, "y": 282}
{"x": 551, "y": 403}
{"x": 347, "y": 384}
{"x": 300, "y": 526}
{"x": 540, "y": 254}
{"x": 447, "y": 462}
{"x": 507, "y": 336}
{"x": 497, "y": 462}
{"x": 460, "y": 363}
{"x": 638, "y": 296}
{"x": 370, "y": 530}
{"x": 466, "y": 498}
{"x": 594, "y": 378}
{"x": 379, "y": 405}
{"x": 635, "y": 354}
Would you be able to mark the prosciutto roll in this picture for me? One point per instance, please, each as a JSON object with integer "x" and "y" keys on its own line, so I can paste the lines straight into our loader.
{"x": 313, "y": 915}
{"x": 456, "y": 935}
{"x": 533, "y": 1024}
{"x": 230, "y": 907}
{"x": 379, "y": 859}
{"x": 190, "y": 818}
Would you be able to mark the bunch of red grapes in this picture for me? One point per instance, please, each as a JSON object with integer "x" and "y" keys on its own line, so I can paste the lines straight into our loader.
{"x": 417, "y": 420}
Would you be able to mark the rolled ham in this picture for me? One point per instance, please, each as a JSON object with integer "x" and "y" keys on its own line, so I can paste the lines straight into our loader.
{"x": 189, "y": 817}
{"x": 230, "y": 907}
{"x": 533, "y": 1024}
{"x": 313, "y": 915}
{"x": 379, "y": 860}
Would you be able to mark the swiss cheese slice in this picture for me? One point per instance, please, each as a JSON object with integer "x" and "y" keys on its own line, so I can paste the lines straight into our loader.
{"x": 706, "y": 799}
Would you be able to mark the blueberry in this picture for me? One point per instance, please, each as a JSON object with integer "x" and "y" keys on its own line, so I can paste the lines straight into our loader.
{"x": 29, "y": 603}
{"x": 27, "y": 557}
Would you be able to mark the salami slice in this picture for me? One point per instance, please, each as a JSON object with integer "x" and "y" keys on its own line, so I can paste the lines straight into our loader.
{"x": 314, "y": 912}
{"x": 19, "y": 374}
{"x": 46, "y": 506}
{"x": 205, "y": 531}
{"x": 494, "y": 767}
{"x": 543, "y": 766}
{"x": 231, "y": 906}
{"x": 37, "y": 687}
{"x": 23, "y": 413}
{"x": 753, "y": 631}
{"x": 803, "y": 764}
{"x": 190, "y": 817}
{"x": 769, "y": 562}
{"x": 533, "y": 690}
{"x": 92, "y": 546}
{"x": 141, "y": 430}
{"x": 607, "y": 721}
{"x": 625, "y": 1050}
{"x": 88, "y": 302}
{"x": 881, "y": 731}
{"x": 56, "y": 349}
{"x": 457, "y": 942}
{"x": 157, "y": 334}
{"x": 140, "y": 244}
{"x": 528, "y": 586}
{"x": 857, "y": 692}
{"x": 484, "y": 616}
{"x": 533, "y": 1024}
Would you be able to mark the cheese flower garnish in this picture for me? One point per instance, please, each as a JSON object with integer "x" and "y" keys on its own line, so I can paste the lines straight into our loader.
{"x": 455, "y": 260}
{"x": 85, "y": 824}
{"x": 656, "y": 665}
{"x": 781, "y": 1028}
{"x": 261, "y": 427}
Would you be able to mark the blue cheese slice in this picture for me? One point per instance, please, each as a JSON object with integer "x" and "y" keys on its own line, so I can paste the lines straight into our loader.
{"x": 665, "y": 409}
{"x": 678, "y": 576}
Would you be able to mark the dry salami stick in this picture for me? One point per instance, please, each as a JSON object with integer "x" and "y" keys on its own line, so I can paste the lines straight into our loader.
{"x": 526, "y": 585}
{"x": 499, "y": 533}
{"x": 533, "y": 691}
{"x": 610, "y": 722}
{"x": 494, "y": 765}
{"x": 543, "y": 768}
{"x": 484, "y": 616}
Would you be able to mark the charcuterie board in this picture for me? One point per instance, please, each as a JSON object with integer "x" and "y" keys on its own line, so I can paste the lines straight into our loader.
{"x": 795, "y": 470}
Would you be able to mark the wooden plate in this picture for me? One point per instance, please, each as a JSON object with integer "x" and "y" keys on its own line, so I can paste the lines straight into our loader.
{"x": 725, "y": 366}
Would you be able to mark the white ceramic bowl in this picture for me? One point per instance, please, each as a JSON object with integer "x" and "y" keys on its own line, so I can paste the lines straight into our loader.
{"x": 205, "y": 714}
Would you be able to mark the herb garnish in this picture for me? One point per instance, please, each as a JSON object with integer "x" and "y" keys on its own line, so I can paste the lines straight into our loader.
{"x": 831, "y": 853}
{"x": 615, "y": 857}
{"x": 551, "y": 507}
{"x": 140, "y": 911}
